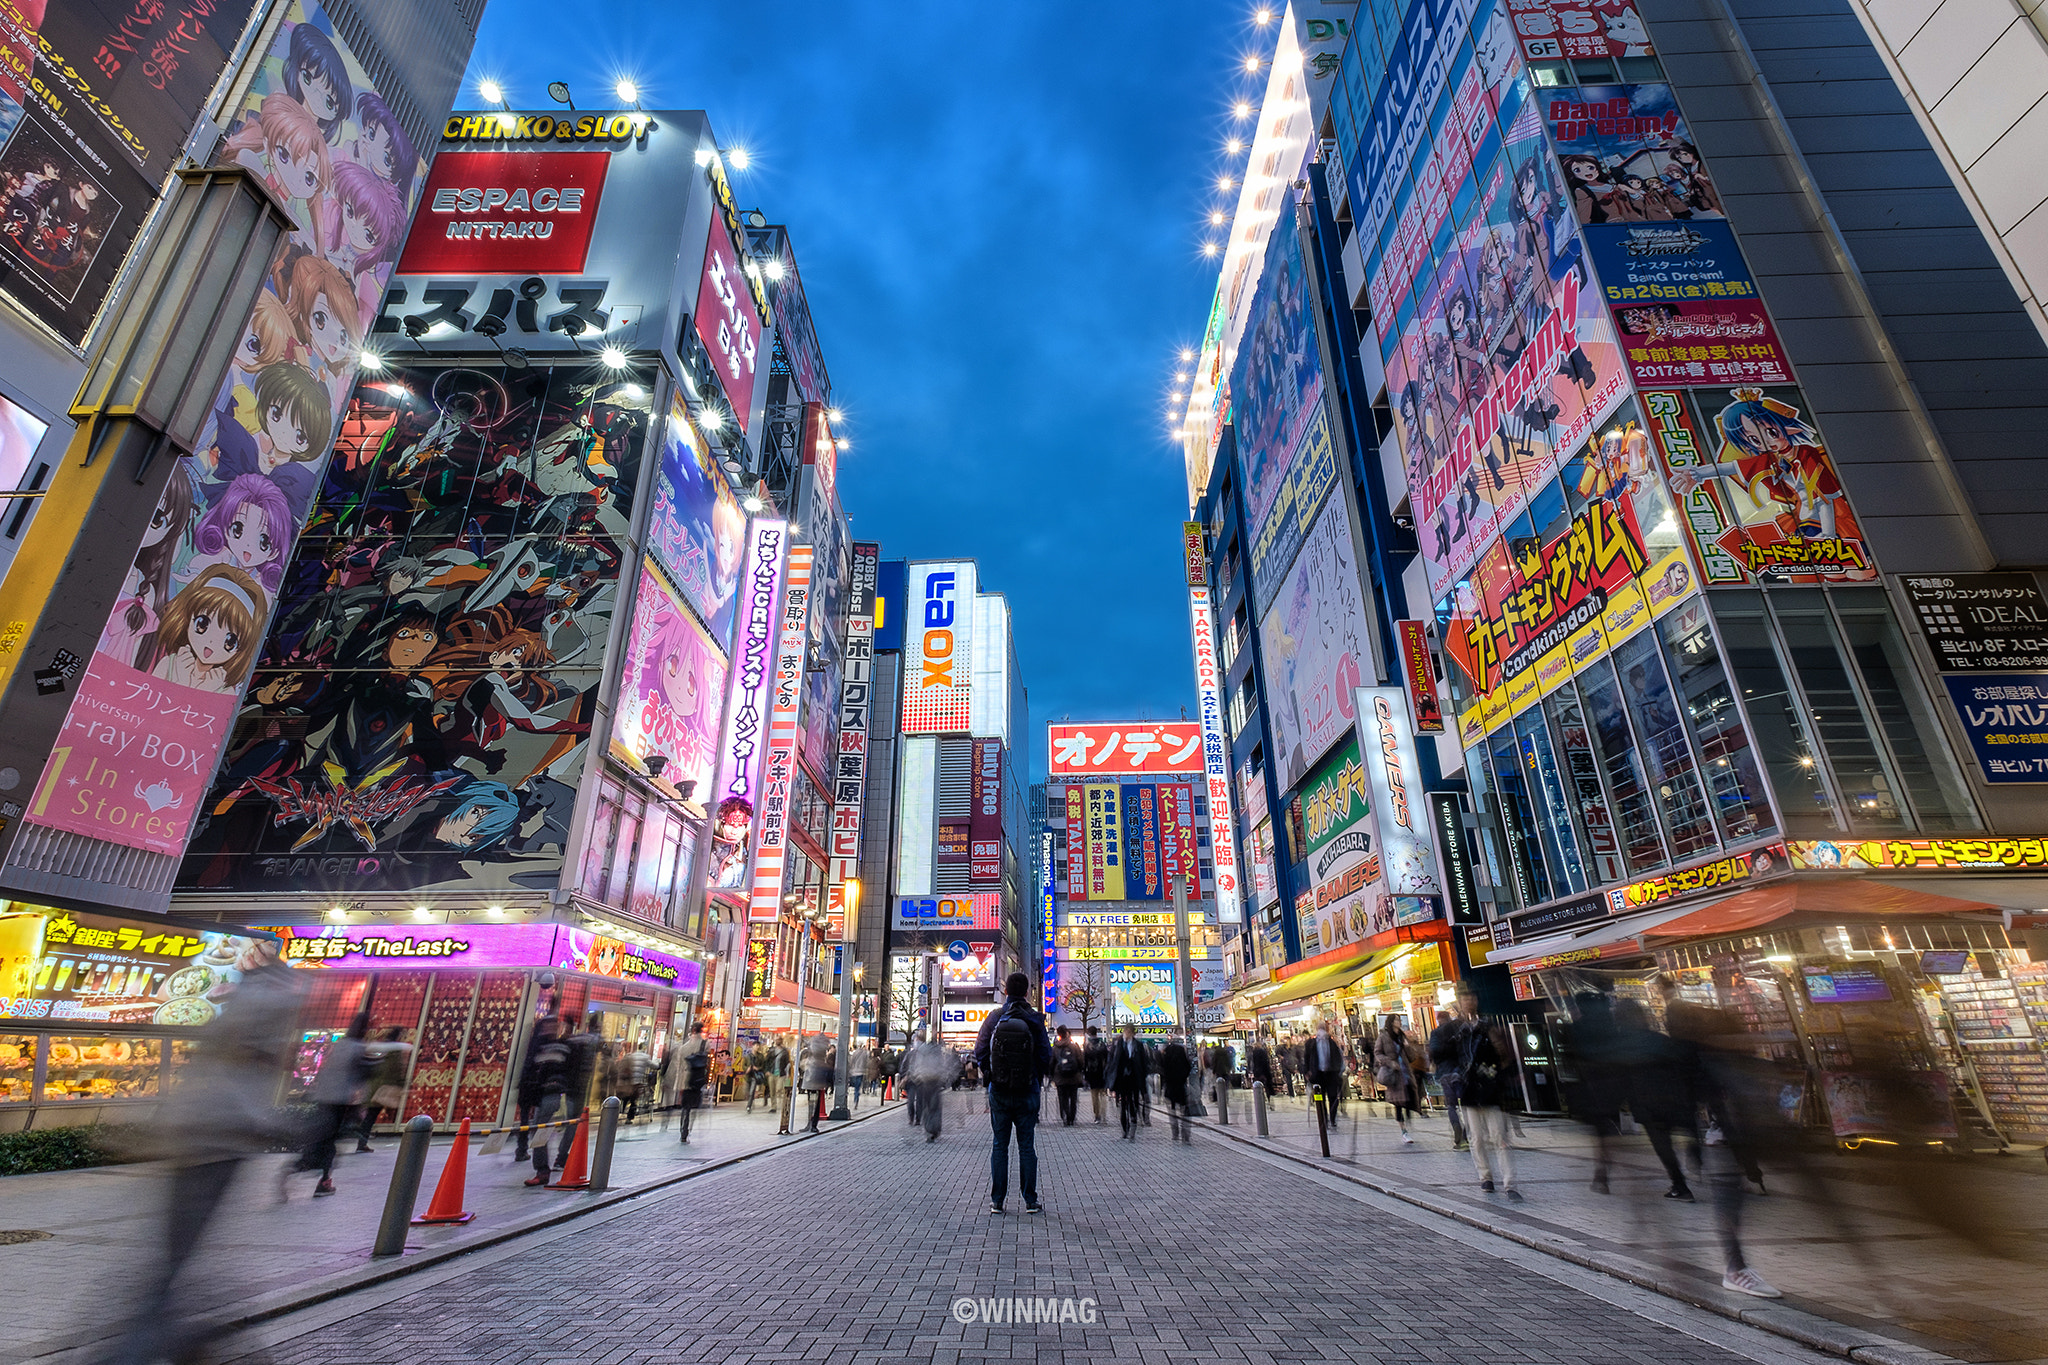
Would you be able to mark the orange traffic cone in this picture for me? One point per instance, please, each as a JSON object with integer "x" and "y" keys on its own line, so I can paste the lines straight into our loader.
{"x": 576, "y": 1170}
{"x": 446, "y": 1205}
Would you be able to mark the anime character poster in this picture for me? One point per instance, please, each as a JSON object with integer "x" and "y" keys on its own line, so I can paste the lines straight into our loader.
{"x": 673, "y": 688}
{"x": 421, "y": 711}
{"x": 1317, "y": 645}
{"x": 696, "y": 528}
{"x": 1278, "y": 382}
{"x": 1685, "y": 305}
{"x": 1760, "y": 491}
{"x": 1627, "y": 155}
{"x": 183, "y": 637}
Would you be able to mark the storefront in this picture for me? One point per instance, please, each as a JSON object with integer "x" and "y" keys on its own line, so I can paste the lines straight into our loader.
{"x": 98, "y": 1013}
{"x": 1412, "y": 978}
{"x": 466, "y": 995}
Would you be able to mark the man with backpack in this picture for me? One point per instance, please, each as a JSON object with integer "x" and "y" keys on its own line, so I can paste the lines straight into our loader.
{"x": 1013, "y": 1057}
{"x": 1067, "y": 1066}
{"x": 1483, "y": 1082}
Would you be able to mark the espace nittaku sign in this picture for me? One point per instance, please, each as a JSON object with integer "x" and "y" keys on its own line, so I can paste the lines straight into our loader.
{"x": 499, "y": 213}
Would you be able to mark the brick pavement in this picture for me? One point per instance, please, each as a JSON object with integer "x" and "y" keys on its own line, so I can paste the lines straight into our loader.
{"x": 852, "y": 1251}
{"x": 106, "y": 1221}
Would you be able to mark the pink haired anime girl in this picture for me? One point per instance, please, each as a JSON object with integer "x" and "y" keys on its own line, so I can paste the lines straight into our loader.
{"x": 285, "y": 145}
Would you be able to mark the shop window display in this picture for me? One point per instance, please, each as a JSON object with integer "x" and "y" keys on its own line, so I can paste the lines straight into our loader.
{"x": 103, "y": 1068}
{"x": 17, "y": 1068}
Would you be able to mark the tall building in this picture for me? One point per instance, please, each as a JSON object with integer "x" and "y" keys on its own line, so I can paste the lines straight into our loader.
{"x": 1637, "y": 404}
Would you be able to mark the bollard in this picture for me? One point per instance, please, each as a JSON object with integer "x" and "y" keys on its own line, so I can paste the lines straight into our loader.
{"x": 1322, "y": 1120}
{"x": 405, "y": 1187}
{"x": 607, "y": 1134}
{"x": 1259, "y": 1105}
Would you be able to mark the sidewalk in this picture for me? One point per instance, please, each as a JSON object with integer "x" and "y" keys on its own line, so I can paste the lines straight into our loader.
{"x": 1840, "y": 1250}
{"x": 106, "y": 1221}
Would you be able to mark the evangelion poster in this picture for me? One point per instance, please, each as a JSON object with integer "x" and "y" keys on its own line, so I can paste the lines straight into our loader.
{"x": 1758, "y": 486}
{"x": 184, "y": 634}
{"x": 421, "y": 711}
{"x": 672, "y": 688}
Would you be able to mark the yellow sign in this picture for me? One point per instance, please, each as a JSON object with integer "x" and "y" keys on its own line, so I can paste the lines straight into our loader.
{"x": 1990, "y": 854}
{"x": 1123, "y": 952}
{"x": 509, "y": 127}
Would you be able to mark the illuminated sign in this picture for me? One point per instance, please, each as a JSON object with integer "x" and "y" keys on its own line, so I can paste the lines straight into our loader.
{"x": 1143, "y": 996}
{"x": 486, "y": 945}
{"x": 1983, "y": 854}
{"x": 980, "y": 911}
{"x": 1048, "y": 962}
{"x": 1420, "y": 675}
{"x": 1215, "y": 758}
{"x": 1197, "y": 554}
{"x": 746, "y": 726}
{"x": 1738, "y": 867}
{"x": 985, "y": 827}
{"x": 1126, "y": 919}
{"x": 731, "y": 333}
{"x": 507, "y": 127}
{"x": 500, "y": 213}
{"x": 761, "y": 962}
{"x": 849, "y": 779}
{"x": 59, "y": 964}
{"x": 938, "y": 639}
{"x": 1124, "y": 748}
{"x": 1461, "y": 883}
{"x": 778, "y": 776}
{"x": 1124, "y": 952}
{"x": 1388, "y": 748}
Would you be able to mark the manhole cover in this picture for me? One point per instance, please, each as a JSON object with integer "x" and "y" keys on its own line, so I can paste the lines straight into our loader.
{"x": 15, "y": 1236}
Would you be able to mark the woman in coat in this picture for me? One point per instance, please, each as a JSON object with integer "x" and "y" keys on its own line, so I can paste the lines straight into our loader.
{"x": 1391, "y": 1070}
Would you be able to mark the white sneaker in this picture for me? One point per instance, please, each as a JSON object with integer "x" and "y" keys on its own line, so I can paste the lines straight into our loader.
{"x": 1747, "y": 1281}
{"x": 1407, "y": 1137}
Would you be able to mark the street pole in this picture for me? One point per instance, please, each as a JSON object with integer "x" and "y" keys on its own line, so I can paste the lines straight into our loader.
{"x": 849, "y": 906}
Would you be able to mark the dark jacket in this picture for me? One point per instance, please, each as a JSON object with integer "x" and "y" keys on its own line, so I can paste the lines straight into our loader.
{"x": 1067, "y": 1065}
{"x": 1446, "y": 1058}
{"x": 1321, "y": 1072}
{"x": 547, "y": 1070}
{"x": 1174, "y": 1068}
{"x": 1041, "y": 1050}
{"x": 1128, "y": 1065}
{"x": 1095, "y": 1063}
{"x": 1482, "y": 1068}
{"x": 1262, "y": 1065}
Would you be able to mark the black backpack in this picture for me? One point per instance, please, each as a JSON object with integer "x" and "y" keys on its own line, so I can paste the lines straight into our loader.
{"x": 1067, "y": 1064}
{"x": 1010, "y": 1049}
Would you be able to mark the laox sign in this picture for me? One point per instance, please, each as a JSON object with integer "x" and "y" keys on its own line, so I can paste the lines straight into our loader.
{"x": 938, "y": 630}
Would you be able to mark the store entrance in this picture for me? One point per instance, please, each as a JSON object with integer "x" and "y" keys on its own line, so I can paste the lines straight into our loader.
{"x": 625, "y": 1029}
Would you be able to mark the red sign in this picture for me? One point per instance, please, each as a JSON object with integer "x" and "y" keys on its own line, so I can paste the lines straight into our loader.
{"x": 1695, "y": 341}
{"x": 503, "y": 213}
{"x": 1077, "y": 863}
{"x": 1198, "y": 554}
{"x": 727, "y": 323}
{"x": 1429, "y": 712}
{"x": 1126, "y": 749}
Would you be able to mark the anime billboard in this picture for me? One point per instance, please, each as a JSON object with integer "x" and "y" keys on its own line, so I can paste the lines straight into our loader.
{"x": 183, "y": 636}
{"x": 672, "y": 689}
{"x": 696, "y": 528}
{"x": 421, "y": 711}
{"x": 1317, "y": 645}
{"x": 1277, "y": 390}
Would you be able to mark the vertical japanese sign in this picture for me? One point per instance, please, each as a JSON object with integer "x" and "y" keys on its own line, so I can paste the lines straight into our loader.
{"x": 1421, "y": 679}
{"x": 850, "y": 774}
{"x": 1141, "y": 841}
{"x": 1177, "y": 839}
{"x": 1048, "y": 954}
{"x": 778, "y": 771}
{"x": 1215, "y": 759}
{"x": 985, "y": 819}
{"x": 1077, "y": 844}
{"x": 1105, "y": 843}
{"x": 753, "y": 663}
{"x": 761, "y": 962}
{"x": 1407, "y": 859}
{"x": 1197, "y": 553}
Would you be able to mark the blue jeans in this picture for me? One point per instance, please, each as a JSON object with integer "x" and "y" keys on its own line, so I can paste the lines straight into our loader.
{"x": 1019, "y": 1112}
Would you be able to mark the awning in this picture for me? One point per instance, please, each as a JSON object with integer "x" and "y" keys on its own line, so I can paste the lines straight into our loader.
{"x": 1605, "y": 934}
{"x": 1848, "y": 897}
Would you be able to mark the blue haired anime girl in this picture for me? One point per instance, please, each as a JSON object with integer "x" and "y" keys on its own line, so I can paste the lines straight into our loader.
{"x": 316, "y": 76}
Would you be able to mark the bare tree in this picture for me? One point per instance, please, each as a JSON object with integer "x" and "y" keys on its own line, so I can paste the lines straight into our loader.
{"x": 1087, "y": 995}
{"x": 902, "y": 1005}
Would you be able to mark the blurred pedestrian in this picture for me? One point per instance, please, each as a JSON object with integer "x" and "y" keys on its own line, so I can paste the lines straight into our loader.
{"x": 1483, "y": 1079}
{"x": 1174, "y": 1068}
{"x": 1013, "y": 1053}
{"x": 546, "y": 1033}
{"x": 1095, "y": 1070}
{"x": 1290, "y": 1065}
{"x": 757, "y": 1074}
{"x": 1445, "y": 1061}
{"x": 390, "y": 1057}
{"x": 1392, "y": 1070}
{"x": 927, "y": 1070}
{"x": 1068, "y": 1067}
{"x": 1596, "y": 1093}
{"x": 1125, "y": 1071}
{"x": 778, "y": 1071}
{"x": 815, "y": 1078}
{"x": 892, "y": 1064}
{"x": 693, "y": 1068}
{"x": 867, "y": 1072}
{"x": 338, "y": 1087}
{"x": 1661, "y": 1078}
{"x": 1262, "y": 1062}
{"x": 630, "y": 1072}
{"x": 1222, "y": 1066}
{"x": 1322, "y": 1067}
{"x": 550, "y": 1065}
{"x": 586, "y": 1059}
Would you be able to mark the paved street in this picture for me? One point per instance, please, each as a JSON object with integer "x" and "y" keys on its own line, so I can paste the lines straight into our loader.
{"x": 854, "y": 1250}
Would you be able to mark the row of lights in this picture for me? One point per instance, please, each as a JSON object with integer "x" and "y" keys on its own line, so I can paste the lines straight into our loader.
{"x": 1235, "y": 146}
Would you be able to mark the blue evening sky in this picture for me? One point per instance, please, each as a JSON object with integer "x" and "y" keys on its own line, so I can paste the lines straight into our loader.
{"x": 997, "y": 210}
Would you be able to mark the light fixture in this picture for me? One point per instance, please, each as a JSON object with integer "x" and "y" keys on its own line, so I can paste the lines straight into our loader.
{"x": 422, "y": 914}
{"x": 1251, "y": 63}
{"x": 496, "y": 912}
{"x": 491, "y": 91}
{"x": 507, "y": 122}
{"x": 704, "y": 155}
{"x": 739, "y": 158}
{"x": 337, "y": 913}
{"x": 1242, "y": 109}
{"x": 1208, "y": 248}
{"x": 613, "y": 358}
{"x": 1224, "y": 182}
{"x": 751, "y": 503}
{"x": 1216, "y": 218}
{"x": 632, "y": 391}
{"x": 1186, "y": 355}
{"x": 1234, "y": 146}
{"x": 370, "y": 361}
{"x": 843, "y": 443}
{"x": 1263, "y": 18}
{"x": 1180, "y": 377}
{"x": 710, "y": 418}
{"x": 774, "y": 269}
{"x": 558, "y": 91}
{"x": 835, "y": 415}
{"x": 628, "y": 92}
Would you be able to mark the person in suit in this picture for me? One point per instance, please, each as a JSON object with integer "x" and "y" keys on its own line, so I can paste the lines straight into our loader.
{"x": 1322, "y": 1066}
{"x": 1129, "y": 1064}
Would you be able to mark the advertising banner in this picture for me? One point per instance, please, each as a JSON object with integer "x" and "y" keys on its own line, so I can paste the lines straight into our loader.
{"x": 472, "y": 946}
{"x": 856, "y": 690}
{"x": 1145, "y": 996}
{"x": 1215, "y": 759}
{"x": 952, "y": 843}
{"x": 1454, "y": 842}
{"x": 495, "y": 212}
{"x": 1735, "y": 869}
{"x": 760, "y": 982}
{"x": 1420, "y": 676}
{"x": 727, "y": 322}
{"x": 1310, "y": 475}
{"x": 798, "y": 334}
{"x": 1684, "y": 304}
{"x": 1418, "y": 66}
{"x": 982, "y": 911}
{"x": 1990, "y": 853}
{"x": 1265, "y": 880}
{"x": 1406, "y": 843}
{"x": 738, "y": 791}
{"x": 67, "y": 965}
{"x": 157, "y": 699}
{"x": 1105, "y": 842}
{"x": 1048, "y": 959}
{"x": 1343, "y": 863}
{"x": 1125, "y": 749}
{"x": 1588, "y": 29}
{"x": 1179, "y": 839}
{"x": 419, "y": 714}
{"x": 672, "y": 688}
{"x": 1982, "y": 622}
{"x": 2006, "y": 718}
{"x": 1762, "y": 501}
{"x": 1317, "y": 645}
{"x": 1277, "y": 386}
{"x": 778, "y": 769}
{"x": 1077, "y": 842}
{"x": 938, "y": 640}
{"x": 985, "y": 827}
{"x": 1142, "y": 879}
{"x": 697, "y": 530}
{"x": 1197, "y": 554}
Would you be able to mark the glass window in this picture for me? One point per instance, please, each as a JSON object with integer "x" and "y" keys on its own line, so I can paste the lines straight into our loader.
{"x": 1924, "y": 762}
{"x": 1547, "y": 796}
{"x": 1667, "y": 751}
{"x": 1728, "y": 761}
{"x": 1641, "y": 842}
{"x": 1567, "y": 716}
{"x": 1848, "y": 733}
{"x": 1479, "y": 778}
{"x": 17, "y": 1067}
{"x": 1775, "y": 719}
{"x": 1518, "y": 819}
{"x": 103, "y": 1069}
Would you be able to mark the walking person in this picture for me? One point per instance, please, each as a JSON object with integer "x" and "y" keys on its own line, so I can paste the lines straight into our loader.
{"x": 1095, "y": 1071}
{"x": 1445, "y": 1062}
{"x": 546, "y": 1033}
{"x": 815, "y": 1078}
{"x": 1068, "y": 1066}
{"x": 1014, "y": 1057}
{"x": 757, "y": 1074}
{"x": 586, "y": 1056}
{"x": 1262, "y": 1063}
{"x": 1391, "y": 1069}
{"x": 868, "y": 1073}
{"x": 389, "y": 1058}
{"x": 1322, "y": 1069}
{"x": 1175, "y": 1066}
{"x": 1222, "y": 1066}
{"x": 550, "y": 1065}
{"x": 1290, "y": 1063}
{"x": 1128, "y": 1066}
{"x": 927, "y": 1071}
{"x": 338, "y": 1087}
{"x": 629, "y": 1081}
{"x": 693, "y": 1068}
{"x": 1484, "y": 1079}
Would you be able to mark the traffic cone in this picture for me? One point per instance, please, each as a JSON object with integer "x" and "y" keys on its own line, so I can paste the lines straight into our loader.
{"x": 446, "y": 1205}
{"x": 576, "y": 1170}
